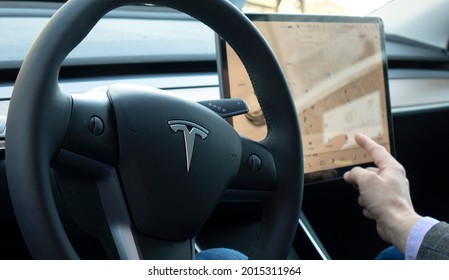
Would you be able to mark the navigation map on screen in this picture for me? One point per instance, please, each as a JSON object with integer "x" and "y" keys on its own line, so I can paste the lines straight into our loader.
{"x": 336, "y": 73}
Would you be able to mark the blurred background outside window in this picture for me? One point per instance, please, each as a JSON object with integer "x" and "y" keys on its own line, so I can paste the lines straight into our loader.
{"x": 331, "y": 7}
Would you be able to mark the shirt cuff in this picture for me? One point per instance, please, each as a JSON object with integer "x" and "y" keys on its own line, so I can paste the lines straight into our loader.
{"x": 416, "y": 236}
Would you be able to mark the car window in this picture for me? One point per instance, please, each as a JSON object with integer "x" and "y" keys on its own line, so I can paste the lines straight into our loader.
{"x": 340, "y": 7}
{"x": 145, "y": 42}
{"x": 126, "y": 35}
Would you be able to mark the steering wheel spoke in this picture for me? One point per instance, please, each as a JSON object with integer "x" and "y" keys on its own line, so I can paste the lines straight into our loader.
{"x": 127, "y": 240}
{"x": 152, "y": 248}
{"x": 96, "y": 203}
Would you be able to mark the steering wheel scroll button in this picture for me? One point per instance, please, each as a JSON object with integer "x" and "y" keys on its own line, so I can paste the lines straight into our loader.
{"x": 254, "y": 162}
{"x": 96, "y": 125}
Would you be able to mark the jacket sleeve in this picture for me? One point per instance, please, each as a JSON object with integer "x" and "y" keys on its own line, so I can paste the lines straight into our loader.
{"x": 435, "y": 245}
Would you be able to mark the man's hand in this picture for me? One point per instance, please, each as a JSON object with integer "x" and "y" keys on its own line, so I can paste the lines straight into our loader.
{"x": 384, "y": 193}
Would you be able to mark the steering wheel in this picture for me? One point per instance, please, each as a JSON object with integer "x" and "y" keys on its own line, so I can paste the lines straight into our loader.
{"x": 155, "y": 165}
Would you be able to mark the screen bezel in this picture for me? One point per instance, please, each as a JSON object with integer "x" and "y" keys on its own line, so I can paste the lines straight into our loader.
{"x": 224, "y": 83}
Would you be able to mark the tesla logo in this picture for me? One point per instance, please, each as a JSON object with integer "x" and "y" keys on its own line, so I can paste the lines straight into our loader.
{"x": 190, "y": 130}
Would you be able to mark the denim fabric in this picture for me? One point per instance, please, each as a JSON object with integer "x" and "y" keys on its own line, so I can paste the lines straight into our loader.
{"x": 220, "y": 254}
{"x": 391, "y": 253}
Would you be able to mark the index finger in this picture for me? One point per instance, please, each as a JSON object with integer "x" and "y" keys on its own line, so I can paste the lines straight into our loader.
{"x": 381, "y": 157}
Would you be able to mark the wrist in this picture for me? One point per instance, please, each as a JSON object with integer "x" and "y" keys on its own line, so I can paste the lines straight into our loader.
{"x": 399, "y": 227}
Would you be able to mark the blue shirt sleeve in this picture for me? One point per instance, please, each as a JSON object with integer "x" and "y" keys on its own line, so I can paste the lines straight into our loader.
{"x": 416, "y": 236}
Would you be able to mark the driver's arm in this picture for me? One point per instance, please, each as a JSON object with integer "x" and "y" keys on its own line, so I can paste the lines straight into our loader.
{"x": 385, "y": 197}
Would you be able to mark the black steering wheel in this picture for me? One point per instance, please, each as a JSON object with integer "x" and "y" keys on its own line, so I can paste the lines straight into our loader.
{"x": 155, "y": 166}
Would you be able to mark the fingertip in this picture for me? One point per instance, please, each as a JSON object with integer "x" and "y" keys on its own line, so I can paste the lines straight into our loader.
{"x": 367, "y": 143}
{"x": 354, "y": 175}
{"x": 359, "y": 134}
{"x": 361, "y": 139}
{"x": 346, "y": 175}
{"x": 350, "y": 176}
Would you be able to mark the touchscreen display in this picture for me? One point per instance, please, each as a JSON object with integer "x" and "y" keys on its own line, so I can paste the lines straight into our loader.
{"x": 336, "y": 71}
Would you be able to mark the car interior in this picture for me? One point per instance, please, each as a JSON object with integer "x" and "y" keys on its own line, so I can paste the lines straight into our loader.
{"x": 161, "y": 129}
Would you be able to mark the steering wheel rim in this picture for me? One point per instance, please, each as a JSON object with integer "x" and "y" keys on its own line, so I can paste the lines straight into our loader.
{"x": 30, "y": 152}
